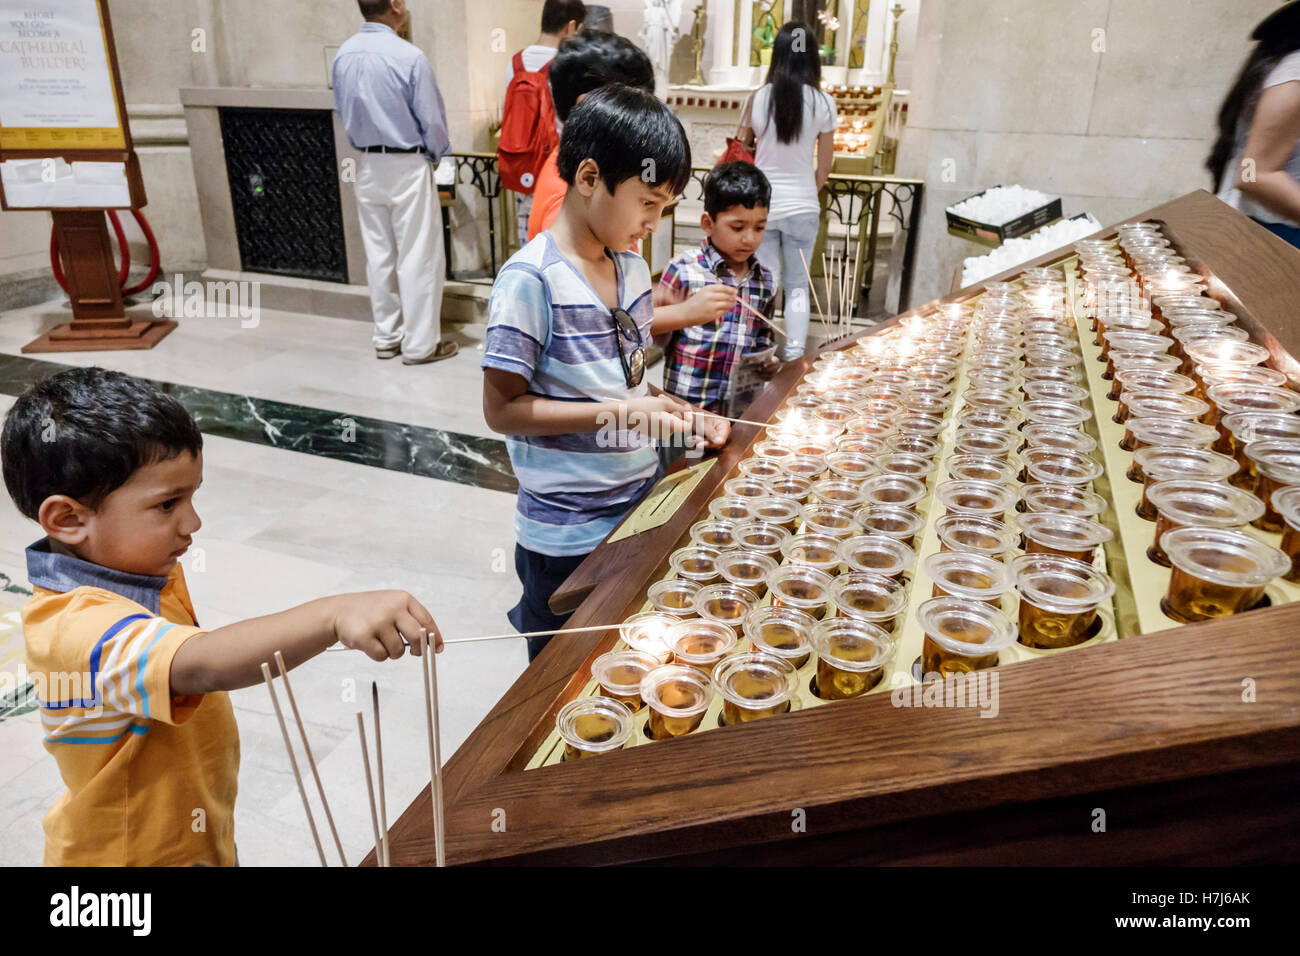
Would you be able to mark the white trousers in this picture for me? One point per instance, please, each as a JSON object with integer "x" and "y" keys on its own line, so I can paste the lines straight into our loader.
{"x": 401, "y": 229}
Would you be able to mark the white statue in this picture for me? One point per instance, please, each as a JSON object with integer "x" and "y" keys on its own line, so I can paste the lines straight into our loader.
{"x": 658, "y": 35}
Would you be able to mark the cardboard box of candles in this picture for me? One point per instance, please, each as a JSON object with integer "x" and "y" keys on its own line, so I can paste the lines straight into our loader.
{"x": 1070, "y": 459}
{"x": 1000, "y": 213}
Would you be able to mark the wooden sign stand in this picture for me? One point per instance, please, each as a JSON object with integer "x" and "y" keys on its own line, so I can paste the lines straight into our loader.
{"x": 100, "y": 322}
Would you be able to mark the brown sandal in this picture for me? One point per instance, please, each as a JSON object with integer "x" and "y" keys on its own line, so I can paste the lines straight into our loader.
{"x": 445, "y": 350}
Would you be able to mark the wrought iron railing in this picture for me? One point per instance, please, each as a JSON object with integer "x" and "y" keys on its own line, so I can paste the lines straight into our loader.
{"x": 853, "y": 207}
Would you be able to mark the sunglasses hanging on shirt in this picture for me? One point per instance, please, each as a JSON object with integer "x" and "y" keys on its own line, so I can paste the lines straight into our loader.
{"x": 634, "y": 365}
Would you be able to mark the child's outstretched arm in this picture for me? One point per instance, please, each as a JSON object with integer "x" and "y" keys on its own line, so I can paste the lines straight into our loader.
{"x": 508, "y": 409}
{"x": 231, "y": 657}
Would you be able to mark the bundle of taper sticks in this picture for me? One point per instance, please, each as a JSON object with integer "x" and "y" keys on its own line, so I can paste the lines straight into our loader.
{"x": 378, "y": 815}
{"x": 840, "y": 280}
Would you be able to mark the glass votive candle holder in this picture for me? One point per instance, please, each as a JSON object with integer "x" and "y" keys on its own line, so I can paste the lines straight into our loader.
{"x": 1286, "y": 502}
{"x": 989, "y": 398}
{"x": 899, "y": 463}
{"x": 746, "y": 569}
{"x": 1247, "y": 427}
{"x": 861, "y": 444}
{"x": 677, "y": 696}
{"x": 903, "y": 491}
{"x": 913, "y": 445}
{"x": 991, "y": 418}
{"x": 920, "y": 425}
{"x": 619, "y": 675}
{"x": 801, "y": 587}
{"x": 1198, "y": 504}
{"x": 1132, "y": 342}
{"x": 1052, "y": 373}
{"x": 743, "y": 487}
{"x": 730, "y": 508}
{"x": 1058, "y": 532}
{"x": 902, "y": 524}
{"x": 1061, "y": 437}
{"x": 1062, "y": 499}
{"x": 809, "y": 467}
{"x": 877, "y": 554}
{"x": 1146, "y": 379}
{"x": 724, "y": 603}
{"x": 716, "y": 533}
{"x": 1207, "y": 375}
{"x": 1059, "y": 466}
{"x": 1228, "y": 399}
{"x": 590, "y": 726}
{"x": 851, "y": 657}
{"x": 1057, "y": 414}
{"x": 1053, "y": 357}
{"x": 984, "y": 442}
{"x": 754, "y": 685}
{"x": 851, "y": 466}
{"x": 837, "y": 491}
{"x": 1152, "y": 360}
{"x": 1217, "y": 572}
{"x": 978, "y": 498}
{"x": 1059, "y": 598}
{"x": 961, "y": 635}
{"x": 1166, "y": 463}
{"x": 785, "y": 632}
{"x": 700, "y": 643}
{"x": 777, "y": 510}
{"x": 648, "y": 632}
{"x": 1056, "y": 392}
{"x": 761, "y": 536}
{"x": 1156, "y": 405}
{"x": 791, "y": 487}
{"x": 820, "y": 551}
{"x": 979, "y": 468}
{"x": 695, "y": 563}
{"x": 1277, "y": 463}
{"x": 674, "y": 595}
{"x": 771, "y": 448}
{"x": 832, "y": 520}
{"x": 873, "y": 598}
{"x": 1225, "y": 352}
{"x": 870, "y": 426}
{"x": 1171, "y": 432}
{"x": 762, "y": 468}
{"x": 965, "y": 574}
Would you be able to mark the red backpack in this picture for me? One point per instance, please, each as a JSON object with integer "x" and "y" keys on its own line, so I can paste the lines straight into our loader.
{"x": 527, "y": 128}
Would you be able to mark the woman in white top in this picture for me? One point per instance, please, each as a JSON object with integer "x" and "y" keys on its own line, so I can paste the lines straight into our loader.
{"x": 1256, "y": 160}
{"x": 789, "y": 115}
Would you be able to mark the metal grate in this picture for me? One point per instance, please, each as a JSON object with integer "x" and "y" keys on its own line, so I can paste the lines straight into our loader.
{"x": 284, "y": 187}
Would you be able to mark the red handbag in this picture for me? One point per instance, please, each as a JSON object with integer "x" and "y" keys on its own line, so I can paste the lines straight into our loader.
{"x": 736, "y": 150}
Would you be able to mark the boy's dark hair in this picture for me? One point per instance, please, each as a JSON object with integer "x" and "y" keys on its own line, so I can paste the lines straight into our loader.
{"x": 591, "y": 59}
{"x": 556, "y": 13}
{"x": 84, "y": 432}
{"x": 374, "y": 9}
{"x": 629, "y": 133}
{"x": 736, "y": 184}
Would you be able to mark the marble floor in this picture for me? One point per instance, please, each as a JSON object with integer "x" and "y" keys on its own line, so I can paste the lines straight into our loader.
{"x": 282, "y": 526}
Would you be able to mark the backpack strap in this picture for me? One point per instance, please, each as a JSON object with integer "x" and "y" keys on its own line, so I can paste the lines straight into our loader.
{"x": 518, "y": 62}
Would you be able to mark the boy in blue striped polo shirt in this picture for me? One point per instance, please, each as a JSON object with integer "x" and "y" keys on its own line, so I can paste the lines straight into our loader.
{"x": 569, "y": 321}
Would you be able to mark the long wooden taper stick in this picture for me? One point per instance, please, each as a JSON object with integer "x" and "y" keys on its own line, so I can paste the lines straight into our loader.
{"x": 293, "y": 762}
{"x": 311, "y": 760}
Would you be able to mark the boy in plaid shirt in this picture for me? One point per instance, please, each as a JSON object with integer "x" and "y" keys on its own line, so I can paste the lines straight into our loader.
{"x": 719, "y": 354}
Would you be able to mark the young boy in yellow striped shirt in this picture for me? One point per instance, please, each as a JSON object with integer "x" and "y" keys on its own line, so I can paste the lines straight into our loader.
{"x": 131, "y": 689}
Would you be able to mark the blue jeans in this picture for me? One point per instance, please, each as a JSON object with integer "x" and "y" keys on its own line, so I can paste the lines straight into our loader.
{"x": 784, "y": 240}
{"x": 1290, "y": 233}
